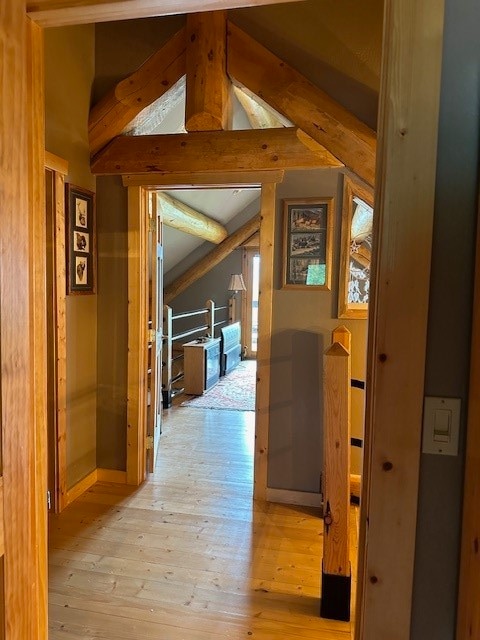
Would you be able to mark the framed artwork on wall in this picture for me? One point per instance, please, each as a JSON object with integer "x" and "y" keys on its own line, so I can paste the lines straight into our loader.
{"x": 356, "y": 250}
{"x": 81, "y": 240}
{"x": 307, "y": 248}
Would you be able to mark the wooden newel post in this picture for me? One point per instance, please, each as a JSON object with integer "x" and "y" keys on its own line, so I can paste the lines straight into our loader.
{"x": 167, "y": 357}
{"x": 210, "y": 307}
{"x": 336, "y": 571}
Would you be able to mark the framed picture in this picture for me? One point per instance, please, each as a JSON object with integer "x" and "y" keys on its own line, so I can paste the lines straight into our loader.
{"x": 307, "y": 250}
{"x": 81, "y": 240}
{"x": 356, "y": 250}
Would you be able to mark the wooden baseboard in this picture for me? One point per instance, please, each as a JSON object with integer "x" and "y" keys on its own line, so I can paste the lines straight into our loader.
{"x": 112, "y": 475}
{"x": 97, "y": 475}
{"x": 301, "y": 498}
{"x": 308, "y": 499}
{"x": 355, "y": 485}
{"x": 82, "y": 486}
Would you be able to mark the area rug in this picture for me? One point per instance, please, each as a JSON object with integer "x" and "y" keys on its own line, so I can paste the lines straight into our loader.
{"x": 235, "y": 391}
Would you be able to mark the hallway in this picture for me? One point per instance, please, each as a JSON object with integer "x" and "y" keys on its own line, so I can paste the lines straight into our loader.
{"x": 187, "y": 556}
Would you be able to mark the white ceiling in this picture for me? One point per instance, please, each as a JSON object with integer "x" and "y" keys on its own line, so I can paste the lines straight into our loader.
{"x": 221, "y": 205}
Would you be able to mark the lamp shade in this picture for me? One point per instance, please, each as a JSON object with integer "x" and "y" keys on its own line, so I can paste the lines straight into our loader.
{"x": 236, "y": 283}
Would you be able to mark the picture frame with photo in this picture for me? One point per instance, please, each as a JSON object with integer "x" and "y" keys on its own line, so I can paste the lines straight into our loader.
{"x": 81, "y": 240}
{"x": 307, "y": 246}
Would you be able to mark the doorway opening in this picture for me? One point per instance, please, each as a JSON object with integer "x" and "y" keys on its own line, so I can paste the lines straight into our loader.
{"x": 250, "y": 298}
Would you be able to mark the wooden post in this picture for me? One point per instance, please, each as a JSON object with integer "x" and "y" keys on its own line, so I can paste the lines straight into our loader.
{"x": 232, "y": 309}
{"x": 343, "y": 336}
{"x": 167, "y": 363}
{"x": 336, "y": 573}
{"x": 208, "y": 105}
{"x": 210, "y": 306}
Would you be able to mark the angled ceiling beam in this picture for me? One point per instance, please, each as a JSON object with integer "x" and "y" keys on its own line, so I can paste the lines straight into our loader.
{"x": 151, "y": 117}
{"x": 259, "y": 116}
{"x": 208, "y": 106}
{"x": 180, "y": 216}
{"x": 110, "y": 116}
{"x": 211, "y": 260}
{"x": 290, "y": 93}
{"x": 58, "y": 13}
{"x": 212, "y": 152}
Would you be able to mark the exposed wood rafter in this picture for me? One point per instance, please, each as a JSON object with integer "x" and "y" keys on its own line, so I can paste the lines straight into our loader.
{"x": 290, "y": 93}
{"x": 215, "y": 256}
{"x": 128, "y": 98}
{"x": 180, "y": 216}
{"x": 150, "y": 119}
{"x": 208, "y": 106}
{"x": 58, "y": 13}
{"x": 209, "y": 152}
{"x": 259, "y": 116}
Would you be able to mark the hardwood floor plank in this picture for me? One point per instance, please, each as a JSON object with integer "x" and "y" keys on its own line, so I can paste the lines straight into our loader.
{"x": 189, "y": 555}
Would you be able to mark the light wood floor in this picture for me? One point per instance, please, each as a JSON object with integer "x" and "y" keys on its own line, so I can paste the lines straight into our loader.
{"x": 188, "y": 555}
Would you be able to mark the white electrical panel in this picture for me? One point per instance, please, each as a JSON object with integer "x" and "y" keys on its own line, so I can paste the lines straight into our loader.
{"x": 441, "y": 425}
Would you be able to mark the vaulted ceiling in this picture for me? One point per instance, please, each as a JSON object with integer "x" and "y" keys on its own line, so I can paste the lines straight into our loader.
{"x": 152, "y": 100}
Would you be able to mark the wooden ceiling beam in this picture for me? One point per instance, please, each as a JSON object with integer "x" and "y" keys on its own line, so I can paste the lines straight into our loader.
{"x": 291, "y": 94}
{"x": 59, "y": 13}
{"x": 204, "y": 265}
{"x": 212, "y": 152}
{"x": 208, "y": 105}
{"x": 180, "y": 216}
{"x": 201, "y": 180}
{"x": 111, "y": 115}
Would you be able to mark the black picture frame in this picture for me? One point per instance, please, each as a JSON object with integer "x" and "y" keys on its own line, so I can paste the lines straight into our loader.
{"x": 81, "y": 242}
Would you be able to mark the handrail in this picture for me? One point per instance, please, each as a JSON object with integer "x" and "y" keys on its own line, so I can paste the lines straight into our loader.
{"x": 169, "y": 338}
{"x": 190, "y": 332}
{"x": 189, "y": 314}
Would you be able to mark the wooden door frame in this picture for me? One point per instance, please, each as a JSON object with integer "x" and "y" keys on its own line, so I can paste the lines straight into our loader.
{"x": 398, "y": 314}
{"x": 468, "y": 614}
{"x": 58, "y": 167}
{"x": 405, "y": 180}
{"x": 138, "y": 207}
{"x": 23, "y": 326}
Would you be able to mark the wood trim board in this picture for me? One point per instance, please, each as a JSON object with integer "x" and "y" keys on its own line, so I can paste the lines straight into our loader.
{"x": 264, "y": 346}
{"x": 80, "y": 487}
{"x": 300, "y": 498}
{"x": 137, "y": 334}
{"x": 468, "y": 614}
{"x": 403, "y": 229}
{"x": 58, "y": 13}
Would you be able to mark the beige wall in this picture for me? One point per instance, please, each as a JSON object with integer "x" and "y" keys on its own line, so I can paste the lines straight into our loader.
{"x": 69, "y": 58}
{"x": 335, "y": 44}
{"x": 302, "y": 324}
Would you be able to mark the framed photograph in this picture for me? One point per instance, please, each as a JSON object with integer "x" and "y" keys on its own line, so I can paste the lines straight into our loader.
{"x": 356, "y": 250}
{"x": 307, "y": 247}
{"x": 81, "y": 241}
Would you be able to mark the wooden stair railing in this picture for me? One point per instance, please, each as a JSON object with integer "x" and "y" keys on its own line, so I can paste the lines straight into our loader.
{"x": 336, "y": 570}
{"x": 172, "y": 354}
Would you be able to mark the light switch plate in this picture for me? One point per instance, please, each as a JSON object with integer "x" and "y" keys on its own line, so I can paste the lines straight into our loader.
{"x": 441, "y": 425}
